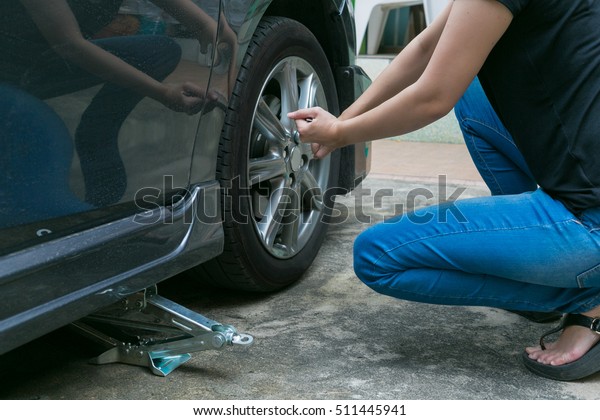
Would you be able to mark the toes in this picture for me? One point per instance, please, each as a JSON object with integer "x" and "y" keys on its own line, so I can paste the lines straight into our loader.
{"x": 561, "y": 359}
{"x": 546, "y": 357}
{"x": 549, "y": 357}
{"x": 538, "y": 348}
{"x": 535, "y": 353}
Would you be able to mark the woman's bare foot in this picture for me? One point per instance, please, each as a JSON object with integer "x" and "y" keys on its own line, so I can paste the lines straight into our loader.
{"x": 573, "y": 343}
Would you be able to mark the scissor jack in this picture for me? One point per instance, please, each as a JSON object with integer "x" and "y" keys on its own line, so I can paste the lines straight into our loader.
{"x": 146, "y": 329}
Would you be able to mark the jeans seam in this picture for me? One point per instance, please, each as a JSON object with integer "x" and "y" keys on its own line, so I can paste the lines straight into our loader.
{"x": 474, "y": 143}
{"x": 484, "y": 164}
{"x": 510, "y": 140}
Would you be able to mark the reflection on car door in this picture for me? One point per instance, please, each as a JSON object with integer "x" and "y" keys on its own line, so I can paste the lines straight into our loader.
{"x": 84, "y": 137}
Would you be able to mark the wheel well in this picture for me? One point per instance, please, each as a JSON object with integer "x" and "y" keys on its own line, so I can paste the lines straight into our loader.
{"x": 323, "y": 20}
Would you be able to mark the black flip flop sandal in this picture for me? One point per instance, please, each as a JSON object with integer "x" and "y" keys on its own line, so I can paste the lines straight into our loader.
{"x": 585, "y": 366}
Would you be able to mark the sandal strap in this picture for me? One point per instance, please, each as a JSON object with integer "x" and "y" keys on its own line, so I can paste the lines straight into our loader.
{"x": 583, "y": 321}
{"x": 573, "y": 319}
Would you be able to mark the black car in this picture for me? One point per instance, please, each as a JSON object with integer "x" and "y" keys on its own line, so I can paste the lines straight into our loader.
{"x": 140, "y": 140}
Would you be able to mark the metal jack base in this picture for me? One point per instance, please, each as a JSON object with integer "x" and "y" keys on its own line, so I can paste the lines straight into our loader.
{"x": 148, "y": 330}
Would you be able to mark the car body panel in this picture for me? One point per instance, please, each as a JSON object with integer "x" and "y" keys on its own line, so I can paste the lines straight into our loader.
{"x": 57, "y": 282}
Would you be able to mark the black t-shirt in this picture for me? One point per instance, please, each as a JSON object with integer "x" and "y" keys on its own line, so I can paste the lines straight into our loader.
{"x": 543, "y": 80}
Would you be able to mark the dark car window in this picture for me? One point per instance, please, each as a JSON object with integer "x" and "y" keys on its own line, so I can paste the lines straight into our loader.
{"x": 98, "y": 100}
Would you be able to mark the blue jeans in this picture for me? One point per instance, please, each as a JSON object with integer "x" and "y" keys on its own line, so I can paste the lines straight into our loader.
{"x": 491, "y": 146}
{"x": 521, "y": 250}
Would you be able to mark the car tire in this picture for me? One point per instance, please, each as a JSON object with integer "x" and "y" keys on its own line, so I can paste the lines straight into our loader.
{"x": 276, "y": 198}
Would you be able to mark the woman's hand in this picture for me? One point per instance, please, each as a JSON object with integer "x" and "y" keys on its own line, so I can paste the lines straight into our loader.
{"x": 319, "y": 127}
{"x": 183, "y": 97}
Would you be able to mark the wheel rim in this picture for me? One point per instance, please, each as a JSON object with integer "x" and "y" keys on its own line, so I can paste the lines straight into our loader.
{"x": 286, "y": 184}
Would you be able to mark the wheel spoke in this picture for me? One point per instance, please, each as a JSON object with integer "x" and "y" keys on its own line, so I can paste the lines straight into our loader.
{"x": 288, "y": 80}
{"x": 270, "y": 224}
{"x": 312, "y": 192}
{"x": 268, "y": 124}
{"x": 308, "y": 92}
{"x": 265, "y": 168}
{"x": 291, "y": 222}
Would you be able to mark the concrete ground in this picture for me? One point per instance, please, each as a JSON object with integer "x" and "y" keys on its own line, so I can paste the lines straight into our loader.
{"x": 328, "y": 336}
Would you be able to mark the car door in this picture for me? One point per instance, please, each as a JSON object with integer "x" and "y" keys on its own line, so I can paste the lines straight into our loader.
{"x": 119, "y": 140}
{"x": 98, "y": 126}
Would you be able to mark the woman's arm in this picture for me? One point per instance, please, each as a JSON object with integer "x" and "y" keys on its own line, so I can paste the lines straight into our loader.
{"x": 58, "y": 25}
{"x": 403, "y": 71}
{"x": 472, "y": 29}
